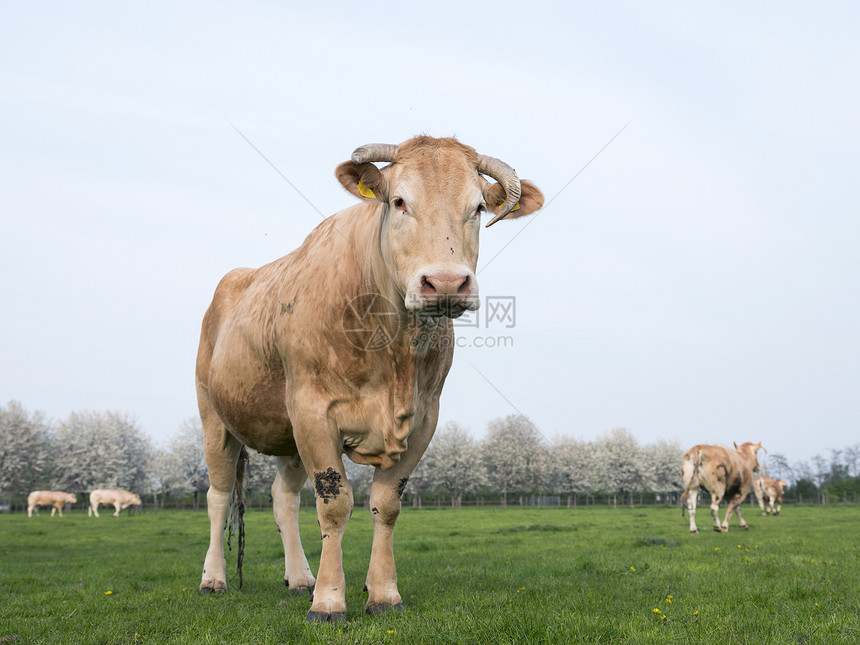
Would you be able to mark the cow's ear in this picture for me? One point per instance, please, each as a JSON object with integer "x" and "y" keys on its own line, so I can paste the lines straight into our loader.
{"x": 363, "y": 180}
{"x": 531, "y": 199}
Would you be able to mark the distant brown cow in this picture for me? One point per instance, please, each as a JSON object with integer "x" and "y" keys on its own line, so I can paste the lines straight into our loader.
{"x": 725, "y": 473}
{"x": 55, "y": 498}
{"x": 768, "y": 492}
{"x": 119, "y": 499}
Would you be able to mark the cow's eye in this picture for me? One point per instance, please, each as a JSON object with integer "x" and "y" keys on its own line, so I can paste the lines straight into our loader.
{"x": 480, "y": 209}
{"x": 398, "y": 202}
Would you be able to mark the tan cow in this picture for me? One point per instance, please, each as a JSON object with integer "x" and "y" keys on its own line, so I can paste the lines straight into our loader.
{"x": 768, "y": 492}
{"x": 725, "y": 473}
{"x": 343, "y": 346}
{"x": 119, "y": 499}
{"x": 56, "y": 499}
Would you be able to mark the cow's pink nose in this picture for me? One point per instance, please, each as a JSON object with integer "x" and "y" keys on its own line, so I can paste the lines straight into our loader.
{"x": 446, "y": 285}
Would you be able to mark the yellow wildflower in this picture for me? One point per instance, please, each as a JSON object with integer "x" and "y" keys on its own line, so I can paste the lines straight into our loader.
{"x": 392, "y": 631}
{"x": 108, "y": 593}
{"x": 656, "y": 610}
{"x": 633, "y": 568}
{"x": 696, "y": 613}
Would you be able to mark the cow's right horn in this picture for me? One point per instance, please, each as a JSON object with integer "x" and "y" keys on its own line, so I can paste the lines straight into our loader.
{"x": 507, "y": 177}
{"x": 374, "y": 152}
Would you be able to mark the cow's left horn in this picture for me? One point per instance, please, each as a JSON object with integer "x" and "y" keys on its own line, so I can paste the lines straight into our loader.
{"x": 507, "y": 177}
{"x": 374, "y": 152}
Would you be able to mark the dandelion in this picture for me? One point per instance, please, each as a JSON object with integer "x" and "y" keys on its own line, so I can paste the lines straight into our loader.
{"x": 716, "y": 548}
{"x": 392, "y": 631}
{"x": 739, "y": 546}
{"x": 696, "y": 613}
{"x": 663, "y": 617}
{"x": 108, "y": 592}
{"x": 412, "y": 596}
{"x": 656, "y": 610}
{"x": 633, "y": 569}
{"x": 669, "y": 600}
{"x": 521, "y": 589}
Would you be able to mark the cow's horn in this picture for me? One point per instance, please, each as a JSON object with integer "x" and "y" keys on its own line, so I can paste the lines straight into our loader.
{"x": 374, "y": 152}
{"x": 507, "y": 177}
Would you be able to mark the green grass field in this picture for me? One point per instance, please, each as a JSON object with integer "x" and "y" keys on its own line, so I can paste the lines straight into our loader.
{"x": 478, "y": 575}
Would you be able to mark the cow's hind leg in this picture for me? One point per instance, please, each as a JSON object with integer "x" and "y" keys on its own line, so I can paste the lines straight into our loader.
{"x": 285, "y": 497}
{"x": 715, "y": 512}
{"x": 118, "y": 509}
{"x": 691, "y": 509}
{"x": 222, "y": 452}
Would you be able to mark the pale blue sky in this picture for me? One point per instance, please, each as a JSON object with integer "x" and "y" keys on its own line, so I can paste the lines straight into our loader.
{"x": 698, "y": 281}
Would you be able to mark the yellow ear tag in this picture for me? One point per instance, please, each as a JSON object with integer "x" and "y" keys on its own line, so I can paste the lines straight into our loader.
{"x": 365, "y": 191}
{"x": 515, "y": 208}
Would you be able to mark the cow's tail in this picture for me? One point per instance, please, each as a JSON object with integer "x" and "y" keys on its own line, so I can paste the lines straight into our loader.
{"x": 694, "y": 477}
{"x": 237, "y": 512}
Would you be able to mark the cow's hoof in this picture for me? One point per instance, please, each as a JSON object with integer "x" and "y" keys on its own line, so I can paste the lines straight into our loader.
{"x": 744, "y": 527}
{"x": 205, "y": 591}
{"x": 378, "y": 608}
{"x": 322, "y": 617}
{"x": 301, "y": 591}
{"x": 694, "y": 531}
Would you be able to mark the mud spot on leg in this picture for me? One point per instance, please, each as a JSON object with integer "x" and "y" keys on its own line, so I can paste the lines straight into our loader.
{"x": 401, "y": 486}
{"x": 327, "y": 484}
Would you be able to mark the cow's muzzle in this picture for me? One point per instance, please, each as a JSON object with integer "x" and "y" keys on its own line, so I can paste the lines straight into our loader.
{"x": 443, "y": 293}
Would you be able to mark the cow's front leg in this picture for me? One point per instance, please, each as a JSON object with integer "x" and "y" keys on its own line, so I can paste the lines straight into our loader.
{"x": 735, "y": 507}
{"x": 118, "y": 509}
{"x": 381, "y": 581}
{"x": 385, "y": 496}
{"x": 334, "y": 506}
{"x": 285, "y": 497}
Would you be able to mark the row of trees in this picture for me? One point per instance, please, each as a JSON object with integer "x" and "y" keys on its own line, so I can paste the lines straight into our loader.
{"x": 513, "y": 462}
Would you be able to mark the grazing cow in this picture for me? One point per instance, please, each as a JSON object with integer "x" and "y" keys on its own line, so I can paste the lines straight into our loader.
{"x": 725, "y": 473}
{"x": 55, "y": 498}
{"x": 119, "y": 499}
{"x": 768, "y": 492}
{"x": 342, "y": 347}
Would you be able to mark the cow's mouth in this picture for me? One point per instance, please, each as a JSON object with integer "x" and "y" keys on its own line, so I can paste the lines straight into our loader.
{"x": 438, "y": 306}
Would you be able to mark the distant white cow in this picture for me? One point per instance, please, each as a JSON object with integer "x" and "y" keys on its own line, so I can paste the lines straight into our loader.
{"x": 119, "y": 499}
{"x": 768, "y": 492}
{"x": 55, "y": 498}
